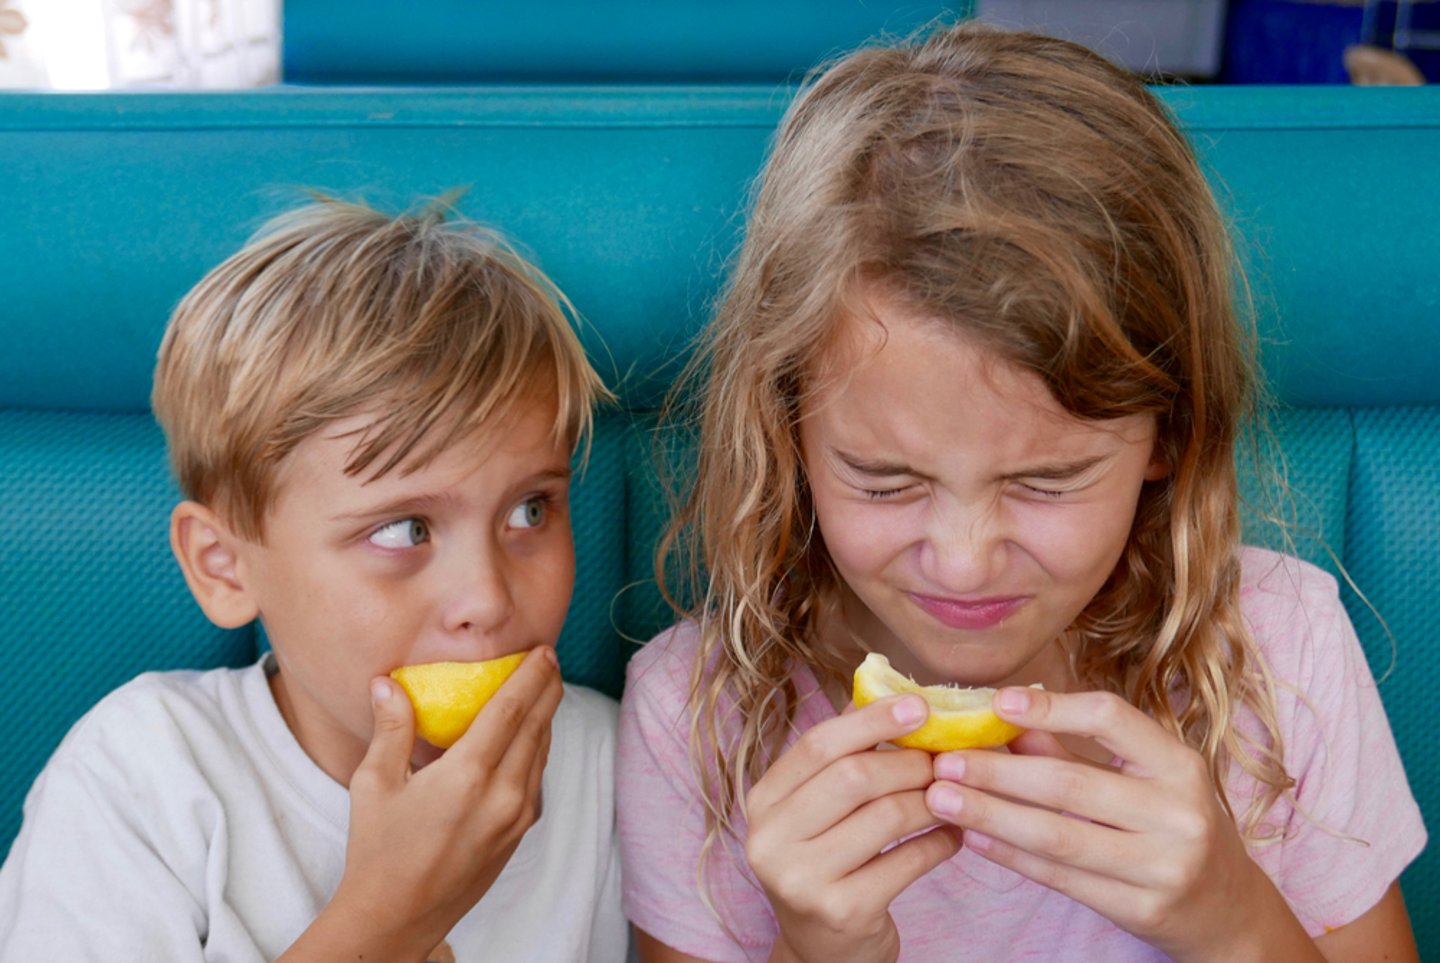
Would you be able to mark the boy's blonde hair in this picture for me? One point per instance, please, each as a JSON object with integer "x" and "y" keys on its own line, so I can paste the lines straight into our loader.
{"x": 1041, "y": 201}
{"x": 435, "y": 327}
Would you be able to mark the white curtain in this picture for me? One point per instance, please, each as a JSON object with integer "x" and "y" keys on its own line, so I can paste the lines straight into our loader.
{"x": 167, "y": 44}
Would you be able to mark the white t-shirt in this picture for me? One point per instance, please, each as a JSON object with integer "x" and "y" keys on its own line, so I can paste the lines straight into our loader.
{"x": 180, "y": 820}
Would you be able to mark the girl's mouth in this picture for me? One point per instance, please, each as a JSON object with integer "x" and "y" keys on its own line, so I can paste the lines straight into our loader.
{"x": 969, "y": 614}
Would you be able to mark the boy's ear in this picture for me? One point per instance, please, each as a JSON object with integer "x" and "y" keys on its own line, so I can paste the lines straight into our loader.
{"x": 207, "y": 552}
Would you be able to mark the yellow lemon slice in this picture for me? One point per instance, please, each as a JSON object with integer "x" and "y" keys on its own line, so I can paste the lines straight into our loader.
{"x": 448, "y": 695}
{"x": 959, "y": 718}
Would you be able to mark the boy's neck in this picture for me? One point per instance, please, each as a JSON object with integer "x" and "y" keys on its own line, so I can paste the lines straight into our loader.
{"x": 337, "y": 754}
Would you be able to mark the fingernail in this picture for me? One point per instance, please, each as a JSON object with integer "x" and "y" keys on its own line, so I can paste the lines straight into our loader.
{"x": 551, "y": 657}
{"x": 950, "y": 766}
{"x": 910, "y": 710}
{"x": 946, "y": 801}
{"x": 1013, "y": 701}
{"x": 379, "y": 690}
{"x": 977, "y": 841}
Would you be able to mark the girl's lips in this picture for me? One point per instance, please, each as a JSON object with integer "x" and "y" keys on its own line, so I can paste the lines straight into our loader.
{"x": 976, "y": 614}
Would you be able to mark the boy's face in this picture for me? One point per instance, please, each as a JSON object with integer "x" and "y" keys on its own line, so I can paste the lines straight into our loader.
{"x": 468, "y": 558}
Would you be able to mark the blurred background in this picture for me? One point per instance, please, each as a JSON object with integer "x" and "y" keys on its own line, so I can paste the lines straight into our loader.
{"x": 228, "y": 44}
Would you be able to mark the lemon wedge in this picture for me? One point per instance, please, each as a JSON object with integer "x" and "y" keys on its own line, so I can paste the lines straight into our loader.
{"x": 959, "y": 718}
{"x": 448, "y": 695}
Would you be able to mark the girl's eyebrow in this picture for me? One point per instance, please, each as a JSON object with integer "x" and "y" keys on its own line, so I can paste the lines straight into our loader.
{"x": 1057, "y": 470}
{"x": 876, "y": 468}
{"x": 1049, "y": 471}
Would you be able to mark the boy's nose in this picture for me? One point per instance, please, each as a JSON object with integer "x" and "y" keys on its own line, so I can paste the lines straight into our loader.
{"x": 481, "y": 599}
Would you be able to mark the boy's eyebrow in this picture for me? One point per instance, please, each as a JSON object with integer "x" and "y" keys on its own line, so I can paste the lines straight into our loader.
{"x": 421, "y": 504}
{"x": 407, "y": 505}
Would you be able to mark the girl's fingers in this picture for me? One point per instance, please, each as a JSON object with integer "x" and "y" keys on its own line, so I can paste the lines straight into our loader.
{"x": 1103, "y": 716}
{"x": 878, "y": 722}
{"x": 1034, "y": 742}
{"x": 1075, "y": 787}
{"x": 1059, "y": 839}
{"x": 887, "y": 875}
{"x": 1109, "y": 897}
{"x": 850, "y": 782}
{"x": 868, "y": 832}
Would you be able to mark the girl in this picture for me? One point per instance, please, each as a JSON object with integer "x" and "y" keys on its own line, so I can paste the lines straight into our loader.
{"x": 971, "y": 402}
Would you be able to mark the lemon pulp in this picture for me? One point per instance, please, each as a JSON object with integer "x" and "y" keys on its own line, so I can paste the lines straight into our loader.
{"x": 959, "y": 718}
{"x": 448, "y": 695}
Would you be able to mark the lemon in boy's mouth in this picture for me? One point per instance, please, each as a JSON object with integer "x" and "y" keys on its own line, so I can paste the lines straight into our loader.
{"x": 959, "y": 718}
{"x": 448, "y": 695}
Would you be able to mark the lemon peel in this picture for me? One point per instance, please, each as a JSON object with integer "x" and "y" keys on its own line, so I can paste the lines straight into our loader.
{"x": 448, "y": 695}
{"x": 959, "y": 718}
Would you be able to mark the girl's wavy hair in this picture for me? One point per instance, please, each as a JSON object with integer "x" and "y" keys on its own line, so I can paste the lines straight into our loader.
{"x": 1041, "y": 201}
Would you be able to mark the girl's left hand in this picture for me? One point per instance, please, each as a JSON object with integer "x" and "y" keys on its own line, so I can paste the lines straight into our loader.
{"x": 1147, "y": 845}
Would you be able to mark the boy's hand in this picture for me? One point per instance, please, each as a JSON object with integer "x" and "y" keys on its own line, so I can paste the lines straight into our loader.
{"x": 425, "y": 846}
{"x": 818, "y": 820}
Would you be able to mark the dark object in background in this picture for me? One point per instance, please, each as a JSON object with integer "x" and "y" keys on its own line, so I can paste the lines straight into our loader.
{"x": 1293, "y": 42}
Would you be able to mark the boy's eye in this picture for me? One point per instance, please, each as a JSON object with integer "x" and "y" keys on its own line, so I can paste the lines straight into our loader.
{"x": 528, "y": 514}
{"x": 406, "y": 533}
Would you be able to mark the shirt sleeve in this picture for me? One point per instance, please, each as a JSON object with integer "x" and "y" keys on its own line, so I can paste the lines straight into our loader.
{"x": 1355, "y": 824}
{"x": 662, "y": 822}
{"x": 84, "y": 881}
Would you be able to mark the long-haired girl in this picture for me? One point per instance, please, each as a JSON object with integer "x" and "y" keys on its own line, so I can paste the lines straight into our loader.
{"x": 972, "y": 401}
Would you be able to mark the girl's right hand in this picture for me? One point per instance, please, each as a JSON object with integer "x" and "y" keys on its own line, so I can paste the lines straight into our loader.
{"x": 818, "y": 821}
{"x": 425, "y": 846}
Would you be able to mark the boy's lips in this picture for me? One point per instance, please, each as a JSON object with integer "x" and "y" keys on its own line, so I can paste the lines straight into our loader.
{"x": 969, "y": 613}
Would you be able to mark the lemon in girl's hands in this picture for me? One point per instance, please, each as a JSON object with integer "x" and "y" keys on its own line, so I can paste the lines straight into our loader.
{"x": 959, "y": 718}
{"x": 448, "y": 695}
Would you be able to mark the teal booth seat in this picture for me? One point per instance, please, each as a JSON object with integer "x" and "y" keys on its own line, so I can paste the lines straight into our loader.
{"x": 631, "y": 199}
{"x": 581, "y": 41}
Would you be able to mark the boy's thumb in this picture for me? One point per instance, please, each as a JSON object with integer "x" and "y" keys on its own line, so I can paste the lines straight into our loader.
{"x": 393, "y": 738}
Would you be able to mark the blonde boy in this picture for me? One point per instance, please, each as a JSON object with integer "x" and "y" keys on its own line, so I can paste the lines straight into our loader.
{"x": 372, "y": 421}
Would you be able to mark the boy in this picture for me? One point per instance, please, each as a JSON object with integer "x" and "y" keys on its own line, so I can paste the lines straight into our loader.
{"x": 372, "y": 421}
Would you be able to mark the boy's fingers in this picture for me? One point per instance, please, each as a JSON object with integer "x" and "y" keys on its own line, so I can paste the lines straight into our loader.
{"x": 392, "y": 739}
{"x": 490, "y": 735}
{"x": 878, "y": 722}
{"x": 532, "y": 738}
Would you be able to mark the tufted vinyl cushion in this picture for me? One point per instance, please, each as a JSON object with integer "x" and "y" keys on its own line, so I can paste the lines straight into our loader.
{"x": 631, "y": 199}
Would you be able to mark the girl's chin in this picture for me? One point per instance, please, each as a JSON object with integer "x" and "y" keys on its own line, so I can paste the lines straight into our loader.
{"x": 972, "y": 666}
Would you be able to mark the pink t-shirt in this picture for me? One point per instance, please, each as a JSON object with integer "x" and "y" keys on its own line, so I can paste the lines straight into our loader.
{"x": 1364, "y": 825}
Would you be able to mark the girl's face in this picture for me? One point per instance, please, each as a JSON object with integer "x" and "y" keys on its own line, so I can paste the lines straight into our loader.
{"x": 970, "y": 517}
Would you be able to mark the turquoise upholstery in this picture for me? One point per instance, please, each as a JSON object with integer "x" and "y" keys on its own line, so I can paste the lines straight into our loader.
{"x": 114, "y": 205}
{"x": 580, "y": 41}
